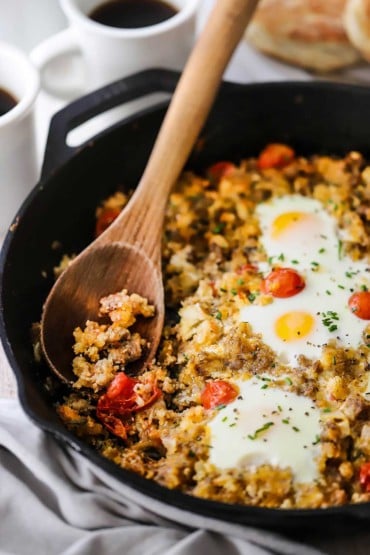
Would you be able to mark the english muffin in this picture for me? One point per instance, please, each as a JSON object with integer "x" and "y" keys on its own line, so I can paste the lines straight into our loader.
{"x": 307, "y": 33}
{"x": 356, "y": 21}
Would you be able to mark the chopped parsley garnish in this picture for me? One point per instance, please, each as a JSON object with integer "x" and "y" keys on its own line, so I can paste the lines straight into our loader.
{"x": 317, "y": 440}
{"x": 288, "y": 381}
{"x": 240, "y": 281}
{"x": 328, "y": 292}
{"x": 251, "y": 297}
{"x": 280, "y": 408}
{"x": 295, "y": 261}
{"x": 218, "y": 315}
{"x": 295, "y": 428}
{"x": 364, "y": 288}
{"x": 327, "y": 409}
{"x": 321, "y": 250}
{"x": 265, "y": 386}
{"x": 285, "y": 421}
{"x": 281, "y": 257}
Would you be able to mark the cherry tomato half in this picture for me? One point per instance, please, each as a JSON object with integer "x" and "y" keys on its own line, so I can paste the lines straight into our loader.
{"x": 119, "y": 401}
{"x": 106, "y": 217}
{"x": 275, "y": 155}
{"x": 121, "y": 389}
{"x": 220, "y": 169}
{"x": 359, "y": 303}
{"x": 218, "y": 393}
{"x": 365, "y": 477}
{"x": 282, "y": 283}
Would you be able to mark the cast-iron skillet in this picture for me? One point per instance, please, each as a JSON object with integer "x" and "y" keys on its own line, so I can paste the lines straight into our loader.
{"x": 312, "y": 117}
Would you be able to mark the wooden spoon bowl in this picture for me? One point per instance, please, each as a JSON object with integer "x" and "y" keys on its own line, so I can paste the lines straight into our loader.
{"x": 128, "y": 254}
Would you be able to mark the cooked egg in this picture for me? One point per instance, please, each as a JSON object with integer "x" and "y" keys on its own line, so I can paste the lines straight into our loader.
{"x": 267, "y": 425}
{"x": 298, "y": 233}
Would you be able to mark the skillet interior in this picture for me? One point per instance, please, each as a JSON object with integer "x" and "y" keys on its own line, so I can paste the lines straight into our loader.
{"x": 312, "y": 117}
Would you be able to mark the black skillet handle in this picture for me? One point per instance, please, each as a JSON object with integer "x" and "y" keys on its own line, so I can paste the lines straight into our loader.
{"x": 57, "y": 151}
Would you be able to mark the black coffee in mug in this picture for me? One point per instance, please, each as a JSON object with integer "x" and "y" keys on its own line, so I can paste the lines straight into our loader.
{"x": 130, "y": 14}
{"x": 7, "y": 101}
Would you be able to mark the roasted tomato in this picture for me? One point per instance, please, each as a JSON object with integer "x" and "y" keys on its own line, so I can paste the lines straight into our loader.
{"x": 120, "y": 401}
{"x": 359, "y": 303}
{"x": 106, "y": 217}
{"x": 218, "y": 393}
{"x": 275, "y": 155}
{"x": 220, "y": 169}
{"x": 282, "y": 283}
{"x": 365, "y": 477}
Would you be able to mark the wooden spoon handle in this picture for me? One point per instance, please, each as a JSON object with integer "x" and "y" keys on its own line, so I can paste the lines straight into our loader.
{"x": 185, "y": 117}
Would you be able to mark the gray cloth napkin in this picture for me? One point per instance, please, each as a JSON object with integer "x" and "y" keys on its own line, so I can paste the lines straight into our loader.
{"x": 54, "y": 501}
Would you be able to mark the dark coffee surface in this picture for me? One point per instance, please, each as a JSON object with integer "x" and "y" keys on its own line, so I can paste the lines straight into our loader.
{"x": 132, "y": 13}
{"x": 7, "y": 101}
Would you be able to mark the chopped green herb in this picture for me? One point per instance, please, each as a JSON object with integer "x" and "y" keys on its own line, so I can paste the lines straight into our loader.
{"x": 364, "y": 288}
{"x": 224, "y": 419}
{"x": 341, "y": 286}
{"x": 260, "y": 430}
{"x": 281, "y": 257}
{"x": 280, "y": 408}
{"x": 327, "y": 409}
{"x": 233, "y": 291}
{"x": 265, "y": 386}
{"x": 329, "y": 318}
{"x": 340, "y": 249}
{"x": 218, "y": 315}
{"x": 295, "y": 428}
{"x": 223, "y": 289}
{"x": 240, "y": 281}
{"x": 317, "y": 440}
{"x": 288, "y": 381}
{"x": 351, "y": 274}
{"x": 321, "y": 250}
{"x": 232, "y": 425}
{"x": 295, "y": 261}
{"x": 328, "y": 292}
{"x": 285, "y": 421}
{"x": 251, "y": 297}
{"x": 218, "y": 228}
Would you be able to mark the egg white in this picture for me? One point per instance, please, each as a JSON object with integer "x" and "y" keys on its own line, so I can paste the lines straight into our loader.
{"x": 267, "y": 425}
{"x": 313, "y": 248}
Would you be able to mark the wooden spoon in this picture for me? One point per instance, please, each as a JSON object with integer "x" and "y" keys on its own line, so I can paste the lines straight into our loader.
{"x": 128, "y": 254}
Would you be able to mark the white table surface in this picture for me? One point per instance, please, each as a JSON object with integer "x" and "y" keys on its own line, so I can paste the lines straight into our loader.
{"x": 246, "y": 66}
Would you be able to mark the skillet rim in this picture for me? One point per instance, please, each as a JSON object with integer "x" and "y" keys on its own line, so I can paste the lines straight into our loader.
{"x": 242, "y": 514}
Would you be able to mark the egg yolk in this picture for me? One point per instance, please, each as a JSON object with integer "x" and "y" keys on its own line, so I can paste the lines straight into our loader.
{"x": 293, "y": 326}
{"x": 287, "y": 221}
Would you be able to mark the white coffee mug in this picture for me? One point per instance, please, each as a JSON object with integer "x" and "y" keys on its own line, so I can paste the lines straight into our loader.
{"x": 18, "y": 167}
{"x": 110, "y": 53}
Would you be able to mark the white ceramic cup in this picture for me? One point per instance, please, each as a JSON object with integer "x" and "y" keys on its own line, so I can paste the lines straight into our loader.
{"x": 18, "y": 167}
{"x": 110, "y": 53}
